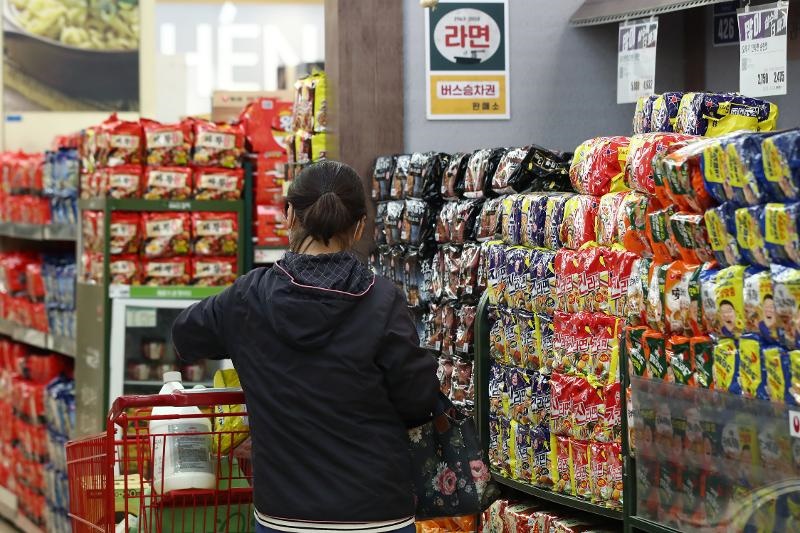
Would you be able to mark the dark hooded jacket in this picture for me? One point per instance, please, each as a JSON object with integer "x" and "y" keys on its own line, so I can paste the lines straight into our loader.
{"x": 330, "y": 364}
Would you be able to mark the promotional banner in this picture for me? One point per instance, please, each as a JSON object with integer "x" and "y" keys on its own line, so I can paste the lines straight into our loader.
{"x": 762, "y": 49}
{"x": 71, "y": 56}
{"x": 636, "y": 60}
{"x": 466, "y": 58}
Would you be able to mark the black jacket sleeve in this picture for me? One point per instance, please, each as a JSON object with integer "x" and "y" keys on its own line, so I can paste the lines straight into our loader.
{"x": 199, "y": 331}
{"x": 409, "y": 371}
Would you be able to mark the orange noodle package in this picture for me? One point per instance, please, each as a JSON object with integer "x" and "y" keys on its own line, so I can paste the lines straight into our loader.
{"x": 631, "y": 223}
{"x": 692, "y": 238}
{"x": 659, "y": 234}
{"x": 579, "y": 222}
{"x": 682, "y": 305}
{"x": 683, "y": 177}
{"x": 639, "y": 164}
{"x": 597, "y": 166}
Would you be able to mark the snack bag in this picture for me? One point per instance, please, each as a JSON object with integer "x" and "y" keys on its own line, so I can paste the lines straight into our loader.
{"x": 750, "y": 226}
{"x": 781, "y": 165}
{"x": 167, "y": 271}
{"x": 604, "y": 348}
{"x": 398, "y": 179}
{"x": 683, "y": 177}
{"x": 218, "y": 184}
{"x": 656, "y": 294}
{"x": 541, "y": 476}
{"x": 234, "y": 429}
{"x": 579, "y": 458}
{"x": 566, "y": 268}
{"x": 594, "y": 281}
{"x": 781, "y": 233}
{"x": 642, "y": 150}
{"x": 465, "y": 215}
{"x": 519, "y": 452}
{"x": 759, "y": 305}
{"x": 691, "y": 237}
{"x": 510, "y": 175}
{"x": 123, "y": 181}
{"x": 721, "y": 227}
{"x": 511, "y": 219}
{"x": 665, "y": 112}
{"x": 517, "y": 280}
{"x": 564, "y": 481}
{"x": 489, "y": 219}
{"x": 622, "y": 271}
{"x": 554, "y": 216}
{"x": 561, "y": 403}
{"x": 469, "y": 275}
{"x": 124, "y": 269}
{"x": 713, "y": 114}
{"x": 597, "y": 167}
{"x": 745, "y": 169}
{"x": 548, "y": 170}
{"x": 480, "y": 171}
{"x": 587, "y": 404}
{"x": 655, "y": 352}
{"x": 610, "y": 423}
{"x": 453, "y": 179}
{"x": 415, "y": 228}
{"x": 494, "y": 261}
{"x": 540, "y": 400}
{"x": 217, "y": 145}
{"x": 168, "y": 144}
{"x": 729, "y": 298}
{"x": 702, "y": 357}
{"x": 166, "y": 234}
{"x": 794, "y": 380}
{"x": 778, "y": 372}
{"x": 124, "y": 233}
{"x": 726, "y": 366}
{"x": 167, "y": 183}
{"x": 752, "y": 372}
{"x": 708, "y": 297}
{"x": 214, "y": 271}
{"x": 542, "y": 297}
{"x": 634, "y": 348}
{"x": 606, "y": 229}
{"x": 580, "y": 219}
{"x": 215, "y": 233}
{"x": 659, "y": 234}
{"x": 532, "y": 220}
{"x": 786, "y": 290}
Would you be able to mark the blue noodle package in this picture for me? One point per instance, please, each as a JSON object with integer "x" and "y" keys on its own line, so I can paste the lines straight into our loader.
{"x": 781, "y": 165}
{"x": 721, "y": 228}
{"x": 534, "y": 211}
{"x": 745, "y": 168}
{"x": 786, "y": 291}
{"x": 752, "y": 373}
{"x": 750, "y": 229}
{"x": 715, "y": 114}
{"x": 714, "y": 167}
{"x": 554, "y": 215}
{"x": 511, "y": 219}
{"x": 665, "y": 112}
{"x": 781, "y": 233}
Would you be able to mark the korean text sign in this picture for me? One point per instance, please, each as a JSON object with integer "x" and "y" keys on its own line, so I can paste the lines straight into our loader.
{"x": 467, "y": 60}
{"x": 762, "y": 49}
{"x": 636, "y": 60}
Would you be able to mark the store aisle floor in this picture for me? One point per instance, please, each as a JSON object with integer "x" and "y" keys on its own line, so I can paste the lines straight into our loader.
{"x": 5, "y": 527}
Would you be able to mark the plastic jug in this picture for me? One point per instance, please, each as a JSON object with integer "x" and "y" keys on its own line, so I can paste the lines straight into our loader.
{"x": 181, "y": 446}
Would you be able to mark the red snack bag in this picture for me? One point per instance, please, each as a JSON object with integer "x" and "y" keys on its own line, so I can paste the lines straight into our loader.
{"x": 604, "y": 348}
{"x": 263, "y": 121}
{"x": 606, "y": 473}
{"x": 586, "y": 403}
{"x": 593, "y": 289}
{"x": 597, "y": 167}
{"x": 213, "y": 271}
{"x": 125, "y": 269}
{"x": 120, "y": 182}
{"x": 564, "y": 481}
{"x": 166, "y": 234}
{"x": 34, "y": 281}
{"x": 218, "y": 145}
{"x": 271, "y": 229}
{"x": 167, "y": 271}
{"x": 218, "y": 183}
{"x": 121, "y": 141}
{"x": 168, "y": 144}
{"x": 580, "y": 219}
{"x": 561, "y": 403}
{"x": 579, "y": 457}
{"x": 215, "y": 233}
{"x": 92, "y": 230}
{"x": 167, "y": 183}
{"x": 568, "y": 269}
{"x": 124, "y": 233}
{"x": 610, "y": 424}
{"x": 622, "y": 269}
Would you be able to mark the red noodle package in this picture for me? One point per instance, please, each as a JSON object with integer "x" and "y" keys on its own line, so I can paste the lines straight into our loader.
{"x": 579, "y": 457}
{"x": 166, "y": 234}
{"x": 125, "y": 269}
{"x": 593, "y": 288}
{"x": 643, "y": 148}
{"x": 123, "y": 181}
{"x": 597, "y": 167}
{"x": 122, "y": 142}
{"x": 683, "y": 176}
{"x": 213, "y": 271}
{"x": 125, "y": 236}
{"x": 564, "y": 480}
{"x": 168, "y": 144}
{"x": 167, "y": 183}
{"x": 580, "y": 217}
{"x": 218, "y": 145}
{"x": 167, "y": 271}
{"x": 632, "y": 223}
{"x": 568, "y": 270}
{"x": 215, "y": 233}
{"x": 218, "y": 183}
{"x": 92, "y": 230}
{"x": 607, "y": 217}
{"x": 622, "y": 269}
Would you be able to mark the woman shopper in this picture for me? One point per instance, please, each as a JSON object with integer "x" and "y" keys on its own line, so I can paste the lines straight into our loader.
{"x": 330, "y": 364}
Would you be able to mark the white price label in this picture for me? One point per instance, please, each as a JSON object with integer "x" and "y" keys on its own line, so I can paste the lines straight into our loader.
{"x": 636, "y": 60}
{"x": 762, "y": 49}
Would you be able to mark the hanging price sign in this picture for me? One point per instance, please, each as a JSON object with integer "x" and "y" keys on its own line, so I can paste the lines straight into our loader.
{"x": 636, "y": 60}
{"x": 762, "y": 49}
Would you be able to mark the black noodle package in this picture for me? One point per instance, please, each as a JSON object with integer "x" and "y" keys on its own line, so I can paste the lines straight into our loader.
{"x": 432, "y": 176}
{"x": 399, "y": 177}
{"x": 392, "y": 222}
{"x": 413, "y": 279}
{"x": 480, "y": 172}
{"x": 453, "y": 180}
{"x": 384, "y": 260}
{"x": 444, "y": 221}
{"x": 512, "y": 174}
{"x": 415, "y": 179}
{"x": 549, "y": 170}
{"x": 452, "y": 272}
{"x": 437, "y": 274}
{"x": 380, "y": 223}
{"x": 463, "y": 218}
{"x": 382, "y": 178}
{"x": 398, "y": 267}
{"x": 488, "y": 220}
{"x": 470, "y": 269}
{"x": 416, "y": 227}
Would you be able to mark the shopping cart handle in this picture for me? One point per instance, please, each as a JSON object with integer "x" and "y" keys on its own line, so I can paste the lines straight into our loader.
{"x": 176, "y": 399}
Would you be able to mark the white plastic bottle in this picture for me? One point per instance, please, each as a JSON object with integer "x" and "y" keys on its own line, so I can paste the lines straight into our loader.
{"x": 181, "y": 460}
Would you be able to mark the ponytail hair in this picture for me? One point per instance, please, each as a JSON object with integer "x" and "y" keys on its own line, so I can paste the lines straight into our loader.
{"x": 328, "y": 200}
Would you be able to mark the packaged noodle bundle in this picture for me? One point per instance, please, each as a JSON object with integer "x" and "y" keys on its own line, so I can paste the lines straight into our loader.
{"x": 778, "y": 369}
{"x": 752, "y": 373}
{"x": 234, "y": 430}
{"x": 580, "y": 218}
{"x": 781, "y": 165}
{"x": 597, "y": 166}
{"x": 713, "y": 114}
{"x": 511, "y": 219}
{"x": 665, "y": 112}
{"x": 480, "y": 171}
{"x": 680, "y": 360}
{"x": 702, "y": 353}
{"x": 631, "y": 223}
{"x": 717, "y": 176}
{"x": 726, "y": 366}
{"x": 642, "y": 150}
{"x": 659, "y": 235}
{"x": 781, "y": 233}
{"x": 608, "y": 207}
{"x": 655, "y": 353}
{"x": 621, "y": 274}
{"x": 453, "y": 179}
{"x": 692, "y": 238}
{"x": 554, "y": 216}
{"x": 637, "y": 293}
{"x": 682, "y": 175}
{"x": 708, "y": 297}
{"x": 786, "y": 290}
{"x": 548, "y": 170}
{"x": 746, "y": 170}
{"x": 533, "y": 212}
{"x": 682, "y": 301}
{"x": 750, "y": 226}
{"x": 397, "y": 191}
{"x": 721, "y": 228}
{"x": 759, "y": 305}
{"x": 729, "y": 299}
{"x": 642, "y": 114}
{"x": 511, "y": 174}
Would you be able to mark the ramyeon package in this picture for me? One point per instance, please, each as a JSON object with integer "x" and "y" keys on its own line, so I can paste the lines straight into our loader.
{"x": 453, "y": 179}
{"x": 554, "y": 216}
{"x": 781, "y": 233}
{"x": 691, "y": 237}
{"x": 726, "y": 366}
{"x": 480, "y": 171}
{"x": 597, "y": 166}
{"x": 744, "y": 163}
{"x": 759, "y": 305}
{"x": 578, "y": 224}
{"x": 717, "y": 177}
{"x": 665, "y": 112}
{"x": 643, "y": 113}
{"x": 511, "y": 173}
{"x": 729, "y": 299}
{"x": 683, "y": 177}
{"x": 714, "y": 114}
{"x": 721, "y": 228}
{"x": 781, "y": 165}
{"x": 750, "y": 232}
{"x": 752, "y": 373}
{"x": 786, "y": 291}
{"x": 642, "y": 150}
{"x": 382, "y": 178}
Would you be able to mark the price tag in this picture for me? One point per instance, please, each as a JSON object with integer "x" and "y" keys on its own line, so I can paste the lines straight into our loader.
{"x": 762, "y": 49}
{"x": 636, "y": 60}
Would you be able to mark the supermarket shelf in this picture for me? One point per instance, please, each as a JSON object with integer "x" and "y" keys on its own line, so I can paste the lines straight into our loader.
{"x": 263, "y": 255}
{"x": 175, "y": 292}
{"x": 159, "y": 383}
{"x": 561, "y": 499}
{"x": 38, "y": 339}
{"x": 137, "y": 204}
{"x": 643, "y": 524}
{"x": 38, "y": 232}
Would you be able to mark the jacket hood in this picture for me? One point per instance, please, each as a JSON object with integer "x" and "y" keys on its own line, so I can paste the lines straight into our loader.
{"x": 314, "y": 294}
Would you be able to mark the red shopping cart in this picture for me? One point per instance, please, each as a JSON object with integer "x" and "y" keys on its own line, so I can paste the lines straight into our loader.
{"x": 111, "y": 475}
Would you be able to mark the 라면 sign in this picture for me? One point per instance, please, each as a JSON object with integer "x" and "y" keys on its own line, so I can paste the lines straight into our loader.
{"x": 467, "y": 60}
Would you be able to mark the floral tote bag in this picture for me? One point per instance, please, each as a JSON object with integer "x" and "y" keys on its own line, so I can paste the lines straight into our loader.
{"x": 451, "y": 470}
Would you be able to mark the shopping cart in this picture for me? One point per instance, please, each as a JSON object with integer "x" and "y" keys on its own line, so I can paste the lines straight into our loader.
{"x": 111, "y": 481}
